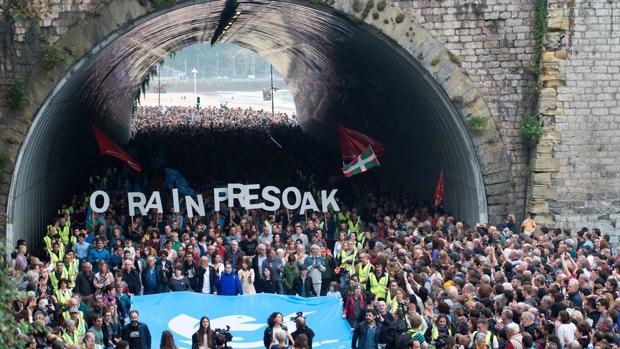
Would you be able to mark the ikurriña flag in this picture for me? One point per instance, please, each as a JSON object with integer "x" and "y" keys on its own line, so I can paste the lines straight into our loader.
{"x": 438, "y": 200}
{"x": 363, "y": 163}
{"x": 108, "y": 147}
{"x": 359, "y": 151}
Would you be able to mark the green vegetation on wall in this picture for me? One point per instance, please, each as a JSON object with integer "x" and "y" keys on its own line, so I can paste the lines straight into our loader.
{"x": 51, "y": 56}
{"x": 9, "y": 295}
{"x": 476, "y": 124}
{"x": 531, "y": 131}
{"x": 540, "y": 27}
{"x": 18, "y": 97}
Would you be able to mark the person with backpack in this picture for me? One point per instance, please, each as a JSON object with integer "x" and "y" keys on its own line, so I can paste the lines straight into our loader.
{"x": 483, "y": 338}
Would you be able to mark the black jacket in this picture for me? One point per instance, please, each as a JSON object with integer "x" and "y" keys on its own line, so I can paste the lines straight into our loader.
{"x": 361, "y": 330}
{"x": 132, "y": 279}
{"x": 305, "y": 330}
{"x": 142, "y": 330}
{"x": 84, "y": 284}
{"x": 159, "y": 279}
{"x": 299, "y": 285}
{"x": 199, "y": 276}
{"x": 268, "y": 335}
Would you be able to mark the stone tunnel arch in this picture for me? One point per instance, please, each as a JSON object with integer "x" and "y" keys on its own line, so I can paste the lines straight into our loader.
{"x": 409, "y": 82}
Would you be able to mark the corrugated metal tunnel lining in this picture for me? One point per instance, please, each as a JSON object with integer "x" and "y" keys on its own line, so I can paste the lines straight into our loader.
{"x": 339, "y": 72}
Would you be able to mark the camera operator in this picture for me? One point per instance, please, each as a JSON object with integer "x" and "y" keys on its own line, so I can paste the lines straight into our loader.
{"x": 302, "y": 328}
{"x": 220, "y": 341}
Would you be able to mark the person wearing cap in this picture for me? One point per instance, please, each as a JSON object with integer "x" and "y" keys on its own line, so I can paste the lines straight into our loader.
{"x": 80, "y": 323}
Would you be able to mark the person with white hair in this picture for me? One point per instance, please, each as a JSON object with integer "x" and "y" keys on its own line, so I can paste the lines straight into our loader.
{"x": 515, "y": 339}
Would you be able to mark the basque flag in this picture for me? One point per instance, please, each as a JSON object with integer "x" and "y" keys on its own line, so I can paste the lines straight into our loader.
{"x": 359, "y": 151}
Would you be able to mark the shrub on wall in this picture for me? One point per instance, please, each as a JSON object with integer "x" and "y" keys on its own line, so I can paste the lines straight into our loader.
{"x": 18, "y": 94}
{"x": 51, "y": 56}
{"x": 531, "y": 131}
{"x": 399, "y": 17}
{"x": 476, "y": 124}
{"x": 381, "y": 5}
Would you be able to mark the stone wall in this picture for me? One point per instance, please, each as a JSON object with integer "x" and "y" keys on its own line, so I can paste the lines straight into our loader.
{"x": 587, "y": 183}
{"x": 493, "y": 40}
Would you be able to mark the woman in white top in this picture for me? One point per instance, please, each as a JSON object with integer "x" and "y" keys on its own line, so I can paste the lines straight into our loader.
{"x": 103, "y": 278}
{"x": 566, "y": 330}
{"x": 338, "y": 244}
{"x": 246, "y": 275}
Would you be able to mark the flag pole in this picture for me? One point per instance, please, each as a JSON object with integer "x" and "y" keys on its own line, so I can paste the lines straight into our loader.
{"x": 273, "y": 113}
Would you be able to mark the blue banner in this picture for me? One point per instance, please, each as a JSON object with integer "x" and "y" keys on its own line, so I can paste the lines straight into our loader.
{"x": 180, "y": 313}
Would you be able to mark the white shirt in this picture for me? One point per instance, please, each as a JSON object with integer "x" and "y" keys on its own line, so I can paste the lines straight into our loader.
{"x": 260, "y": 265}
{"x": 206, "y": 283}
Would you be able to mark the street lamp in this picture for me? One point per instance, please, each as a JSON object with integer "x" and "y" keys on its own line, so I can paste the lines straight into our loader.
{"x": 194, "y": 72}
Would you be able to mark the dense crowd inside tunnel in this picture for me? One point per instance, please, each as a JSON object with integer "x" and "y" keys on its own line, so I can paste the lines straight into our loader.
{"x": 339, "y": 72}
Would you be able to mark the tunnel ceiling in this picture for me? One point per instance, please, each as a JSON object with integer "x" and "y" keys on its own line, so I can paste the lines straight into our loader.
{"x": 339, "y": 72}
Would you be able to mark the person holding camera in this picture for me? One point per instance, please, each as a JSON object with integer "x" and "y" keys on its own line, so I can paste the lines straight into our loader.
{"x": 440, "y": 332}
{"x": 302, "y": 328}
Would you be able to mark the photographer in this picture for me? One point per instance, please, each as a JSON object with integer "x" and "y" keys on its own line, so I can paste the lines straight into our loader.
{"x": 440, "y": 332}
{"x": 220, "y": 341}
{"x": 302, "y": 328}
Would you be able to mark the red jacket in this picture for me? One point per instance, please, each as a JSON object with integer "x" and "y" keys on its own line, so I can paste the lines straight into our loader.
{"x": 349, "y": 306}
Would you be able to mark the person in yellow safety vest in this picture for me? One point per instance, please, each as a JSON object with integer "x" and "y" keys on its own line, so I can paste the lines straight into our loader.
{"x": 64, "y": 229}
{"x": 70, "y": 337}
{"x": 80, "y": 323}
{"x": 72, "y": 266}
{"x": 378, "y": 282}
{"x": 58, "y": 273}
{"x": 440, "y": 332}
{"x": 49, "y": 238}
{"x": 398, "y": 302}
{"x": 483, "y": 338}
{"x": 57, "y": 253}
{"x": 347, "y": 257}
{"x": 74, "y": 302}
{"x": 63, "y": 293}
{"x": 391, "y": 292}
{"x": 364, "y": 268}
{"x": 355, "y": 222}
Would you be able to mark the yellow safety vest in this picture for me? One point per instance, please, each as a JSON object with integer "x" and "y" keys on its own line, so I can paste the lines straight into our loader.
{"x": 378, "y": 288}
{"x": 80, "y": 328}
{"x": 54, "y": 280}
{"x": 389, "y": 297}
{"x": 355, "y": 227}
{"x": 349, "y": 267}
{"x": 71, "y": 340}
{"x": 72, "y": 271}
{"x": 62, "y": 297}
{"x": 435, "y": 334}
{"x": 64, "y": 233}
{"x": 57, "y": 257}
{"x": 342, "y": 217}
{"x": 364, "y": 271}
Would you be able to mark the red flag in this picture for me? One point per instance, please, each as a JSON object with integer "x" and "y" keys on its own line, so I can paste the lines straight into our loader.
{"x": 354, "y": 144}
{"x": 108, "y": 147}
{"x": 439, "y": 190}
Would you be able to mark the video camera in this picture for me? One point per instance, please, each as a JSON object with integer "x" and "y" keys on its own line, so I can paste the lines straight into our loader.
{"x": 225, "y": 333}
{"x": 297, "y": 315}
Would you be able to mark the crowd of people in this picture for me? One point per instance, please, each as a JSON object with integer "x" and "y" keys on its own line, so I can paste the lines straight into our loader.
{"x": 148, "y": 118}
{"x": 408, "y": 275}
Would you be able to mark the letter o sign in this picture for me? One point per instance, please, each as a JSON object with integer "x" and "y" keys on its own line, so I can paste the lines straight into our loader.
{"x": 93, "y": 201}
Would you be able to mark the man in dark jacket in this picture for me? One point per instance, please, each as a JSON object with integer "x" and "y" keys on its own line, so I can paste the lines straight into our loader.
{"x": 151, "y": 277}
{"x": 84, "y": 284}
{"x": 303, "y": 284}
{"x": 302, "y": 328}
{"x": 136, "y": 333}
{"x": 368, "y": 334}
{"x": 131, "y": 278}
{"x": 202, "y": 270}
